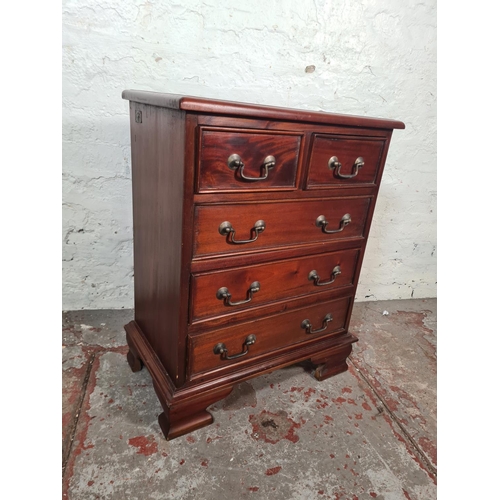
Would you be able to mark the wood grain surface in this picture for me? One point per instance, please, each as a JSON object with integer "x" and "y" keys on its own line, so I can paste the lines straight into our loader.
{"x": 289, "y": 223}
{"x": 272, "y": 333}
{"x": 183, "y": 190}
{"x": 217, "y": 145}
{"x": 278, "y": 280}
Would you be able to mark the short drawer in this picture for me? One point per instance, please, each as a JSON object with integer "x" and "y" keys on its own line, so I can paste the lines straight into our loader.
{"x": 234, "y": 290}
{"x": 247, "y": 227}
{"x": 247, "y": 160}
{"x": 339, "y": 161}
{"x": 229, "y": 346}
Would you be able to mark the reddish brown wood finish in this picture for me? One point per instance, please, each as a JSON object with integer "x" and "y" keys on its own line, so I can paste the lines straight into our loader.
{"x": 216, "y": 146}
{"x": 185, "y": 408}
{"x": 279, "y": 280}
{"x": 287, "y": 224}
{"x": 216, "y": 107}
{"x": 183, "y": 190}
{"x": 347, "y": 150}
{"x": 272, "y": 333}
{"x": 157, "y": 210}
{"x": 330, "y": 363}
{"x": 191, "y": 414}
{"x": 133, "y": 359}
{"x": 232, "y": 319}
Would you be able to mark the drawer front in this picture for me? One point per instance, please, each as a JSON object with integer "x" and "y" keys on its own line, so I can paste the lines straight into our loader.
{"x": 225, "y": 292}
{"x": 262, "y": 336}
{"x": 238, "y": 160}
{"x": 337, "y": 161}
{"x": 247, "y": 227}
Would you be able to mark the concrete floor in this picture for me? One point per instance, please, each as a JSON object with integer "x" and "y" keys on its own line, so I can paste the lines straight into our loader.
{"x": 366, "y": 433}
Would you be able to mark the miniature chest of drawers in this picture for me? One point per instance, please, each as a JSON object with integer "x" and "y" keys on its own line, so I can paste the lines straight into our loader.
{"x": 250, "y": 225}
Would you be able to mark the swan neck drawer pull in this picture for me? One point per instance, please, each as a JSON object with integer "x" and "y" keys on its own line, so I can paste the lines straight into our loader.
{"x": 234, "y": 162}
{"x": 313, "y": 276}
{"x": 335, "y": 165}
{"x": 227, "y": 229}
{"x": 322, "y": 223}
{"x": 306, "y": 324}
{"x": 221, "y": 348}
{"x": 224, "y": 294}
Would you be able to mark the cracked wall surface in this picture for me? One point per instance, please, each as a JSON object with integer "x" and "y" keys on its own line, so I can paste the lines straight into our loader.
{"x": 362, "y": 57}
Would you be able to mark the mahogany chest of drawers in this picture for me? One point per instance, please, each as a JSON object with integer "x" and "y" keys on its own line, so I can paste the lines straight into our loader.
{"x": 250, "y": 225}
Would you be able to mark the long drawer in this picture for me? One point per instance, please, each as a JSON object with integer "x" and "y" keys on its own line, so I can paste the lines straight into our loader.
{"x": 230, "y": 291}
{"x": 229, "y": 346}
{"x": 247, "y": 227}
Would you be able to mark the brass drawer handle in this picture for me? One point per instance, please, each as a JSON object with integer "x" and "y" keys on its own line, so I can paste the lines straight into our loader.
{"x": 306, "y": 324}
{"x": 221, "y": 348}
{"x": 227, "y": 229}
{"x": 313, "y": 275}
{"x": 224, "y": 294}
{"x": 234, "y": 163}
{"x": 334, "y": 164}
{"x": 322, "y": 223}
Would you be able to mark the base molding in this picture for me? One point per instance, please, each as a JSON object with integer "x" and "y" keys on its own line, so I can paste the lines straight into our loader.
{"x": 184, "y": 408}
{"x": 331, "y": 363}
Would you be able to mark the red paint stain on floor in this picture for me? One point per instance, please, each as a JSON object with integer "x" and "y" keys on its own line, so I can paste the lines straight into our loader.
{"x": 71, "y": 392}
{"x": 191, "y": 439}
{"x": 372, "y": 494}
{"x": 273, "y": 427}
{"x": 406, "y": 495}
{"x": 404, "y": 396}
{"x": 210, "y": 439}
{"x": 84, "y": 423}
{"x": 146, "y": 445}
{"x": 253, "y": 488}
{"x": 204, "y": 463}
{"x": 273, "y": 471}
{"x": 410, "y": 450}
{"x": 346, "y": 390}
{"x": 366, "y": 406}
{"x": 429, "y": 448}
{"x": 309, "y": 393}
{"x": 393, "y": 406}
{"x": 182, "y": 462}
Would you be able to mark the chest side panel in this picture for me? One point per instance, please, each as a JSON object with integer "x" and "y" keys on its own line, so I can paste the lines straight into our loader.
{"x": 158, "y": 140}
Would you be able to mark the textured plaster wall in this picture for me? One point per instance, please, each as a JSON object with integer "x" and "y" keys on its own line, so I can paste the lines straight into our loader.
{"x": 364, "y": 57}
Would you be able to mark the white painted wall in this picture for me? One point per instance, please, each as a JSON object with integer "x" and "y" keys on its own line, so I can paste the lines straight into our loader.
{"x": 371, "y": 57}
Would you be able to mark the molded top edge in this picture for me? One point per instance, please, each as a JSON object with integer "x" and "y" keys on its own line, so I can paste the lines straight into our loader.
{"x": 215, "y": 106}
